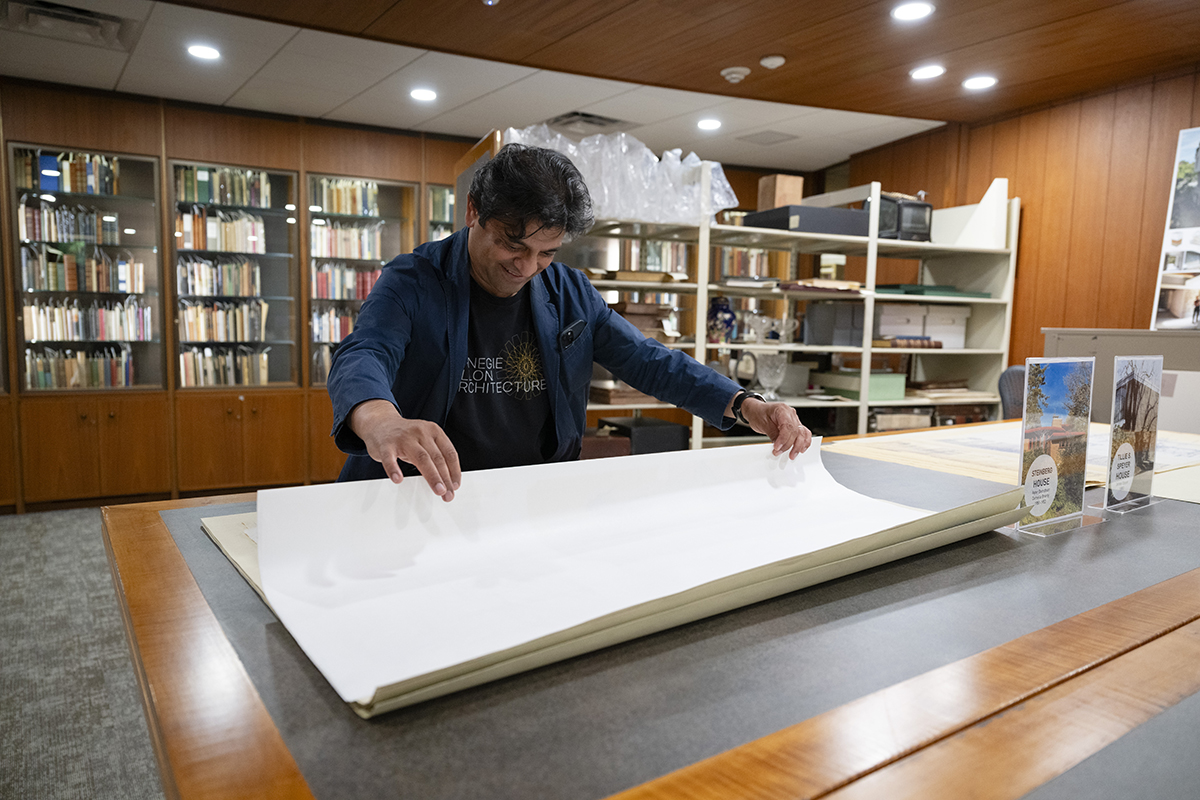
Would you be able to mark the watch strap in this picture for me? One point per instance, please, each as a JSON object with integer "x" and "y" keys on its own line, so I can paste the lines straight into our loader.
{"x": 740, "y": 398}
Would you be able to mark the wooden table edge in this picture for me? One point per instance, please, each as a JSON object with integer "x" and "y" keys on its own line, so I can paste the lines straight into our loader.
{"x": 212, "y": 744}
{"x": 815, "y": 758}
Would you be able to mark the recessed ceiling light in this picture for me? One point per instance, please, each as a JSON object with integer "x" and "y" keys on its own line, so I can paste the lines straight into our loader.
{"x": 927, "y": 72}
{"x": 907, "y": 12}
{"x": 315, "y": 208}
{"x": 130, "y": 231}
{"x": 490, "y": 2}
{"x": 51, "y": 173}
{"x": 49, "y": 198}
{"x": 772, "y": 62}
{"x": 424, "y": 95}
{"x": 318, "y": 222}
{"x": 978, "y": 82}
{"x": 204, "y": 51}
{"x": 108, "y": 218}
{"x": 708, "y": 124}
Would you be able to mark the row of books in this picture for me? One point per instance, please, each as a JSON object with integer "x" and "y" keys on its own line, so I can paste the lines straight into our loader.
{"x": 201, "y": 228}
{"x": 322, "y": 360}
{"x": 43, "y": 221}
{"x": 223, "y": 366}
{"x": 236, "y": 277}
{"x": 69, "y": 272}
{"x": 739, "y": 261}
{"x": 81, "y": 173}
{"x": 223, "y": 322}
{"x": 911, "y": 342}
{"x": 345, "y": 196}
{"x": 334, "y": 281}
{"x": 67, "y": 321}
{"x": 338, "y": 240}
{"x": 66, "y": 369}
{"x": 332, "y": 325}
{"x": 664, "y": 256}
{"x": 230, "y": 186}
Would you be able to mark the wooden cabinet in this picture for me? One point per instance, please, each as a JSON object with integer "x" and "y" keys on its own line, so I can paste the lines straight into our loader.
{"x": 94, "y": 446}
{"x": 8, "y": 455}
{"x": 233, "y": 439}
{"x": 325, "y": 460}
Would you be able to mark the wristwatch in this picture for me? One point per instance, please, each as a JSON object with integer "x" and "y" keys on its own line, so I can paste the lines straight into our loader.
{"x": 740, "y": 398}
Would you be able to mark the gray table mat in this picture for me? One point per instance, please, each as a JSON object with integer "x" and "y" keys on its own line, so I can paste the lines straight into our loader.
{"x": 606, "y": 721}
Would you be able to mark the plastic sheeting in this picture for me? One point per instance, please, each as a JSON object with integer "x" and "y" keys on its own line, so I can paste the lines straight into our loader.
{"x": 628, "y": 182}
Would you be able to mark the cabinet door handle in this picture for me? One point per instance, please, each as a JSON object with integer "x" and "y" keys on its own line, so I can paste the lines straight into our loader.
{"x": 112, "y": 415}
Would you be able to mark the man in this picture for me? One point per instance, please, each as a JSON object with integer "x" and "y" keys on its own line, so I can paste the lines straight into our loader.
{"x": 476, "y": 351}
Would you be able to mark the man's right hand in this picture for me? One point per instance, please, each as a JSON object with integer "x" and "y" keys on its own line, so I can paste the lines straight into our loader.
{"x": 389, "y": 436}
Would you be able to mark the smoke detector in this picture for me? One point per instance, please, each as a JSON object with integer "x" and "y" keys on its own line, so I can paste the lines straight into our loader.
{"x": 68, "y": 24}
{"x": 735, "y": 74}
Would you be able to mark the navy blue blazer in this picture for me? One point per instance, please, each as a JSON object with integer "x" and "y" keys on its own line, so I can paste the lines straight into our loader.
{"x": 409, "y": 347}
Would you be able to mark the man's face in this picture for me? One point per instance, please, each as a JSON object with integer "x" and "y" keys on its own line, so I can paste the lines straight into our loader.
{"x": 502, "y": 265}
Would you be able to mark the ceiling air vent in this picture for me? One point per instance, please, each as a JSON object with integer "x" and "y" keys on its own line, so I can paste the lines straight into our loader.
{"x": 68, "y": 24}
{"x": 767, "y": 137}
{"x": 578, "y": 124}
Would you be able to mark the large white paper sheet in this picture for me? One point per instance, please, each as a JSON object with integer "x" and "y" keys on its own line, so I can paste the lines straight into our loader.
{"x": 380, "y": 583}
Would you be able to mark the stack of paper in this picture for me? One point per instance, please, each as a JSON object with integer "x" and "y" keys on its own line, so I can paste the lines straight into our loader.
{"x": 398, "y": 597}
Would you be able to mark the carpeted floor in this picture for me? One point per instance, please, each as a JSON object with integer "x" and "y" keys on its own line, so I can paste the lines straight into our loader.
{"x": 71, "y": 723}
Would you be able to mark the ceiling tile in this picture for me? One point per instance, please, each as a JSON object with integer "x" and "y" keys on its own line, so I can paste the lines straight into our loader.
{"x": 648, "y": 104}
{"x": 456, "y": 79}
{"x": 160, "y": 65}
{"x": 541, "y": 96}
{"x": 315, "y": 72}
{"x": 25, "y": 56}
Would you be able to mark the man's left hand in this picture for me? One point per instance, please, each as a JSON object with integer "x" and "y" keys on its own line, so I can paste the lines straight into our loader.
{"x": 778, "y": 421}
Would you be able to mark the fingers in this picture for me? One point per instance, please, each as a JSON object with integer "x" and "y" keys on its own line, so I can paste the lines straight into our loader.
{"x": 430, "y": 451}
{"x": 420, "y": 443}
{"x": 788, "y": 434}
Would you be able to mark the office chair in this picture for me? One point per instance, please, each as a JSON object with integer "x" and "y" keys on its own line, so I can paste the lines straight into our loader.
{"x": 1012, "y": 391}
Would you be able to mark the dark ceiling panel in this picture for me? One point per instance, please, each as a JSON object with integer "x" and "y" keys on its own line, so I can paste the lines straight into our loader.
{"x": 347, "y": 17}
{"x": 510, "y": 31}
{"x": 847, "y": 55}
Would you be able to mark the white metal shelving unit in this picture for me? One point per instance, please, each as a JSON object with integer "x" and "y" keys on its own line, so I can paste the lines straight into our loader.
{"x": 971, "y": 269}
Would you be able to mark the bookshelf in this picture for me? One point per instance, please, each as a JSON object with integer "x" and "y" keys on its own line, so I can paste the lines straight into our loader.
{"x": 441, "y": 212}
{"x": 236, "y": 283}
{"x": 86, "y": 257}
{"x": 356, "y": 225}
{"x": 985, "y": 275}
{"x": 90, "y": 353}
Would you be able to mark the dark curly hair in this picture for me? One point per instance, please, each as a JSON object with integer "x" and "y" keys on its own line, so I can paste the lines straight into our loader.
{"x": 524, "y": 186}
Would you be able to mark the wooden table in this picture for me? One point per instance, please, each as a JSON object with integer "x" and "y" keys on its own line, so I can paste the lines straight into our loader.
{"x": 998, "y": 724}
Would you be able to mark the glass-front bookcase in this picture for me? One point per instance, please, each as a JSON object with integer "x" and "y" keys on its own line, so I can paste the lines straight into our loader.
{"x": 441, "y": 212}
{"x": 87, "y": 269}
{"x": 236, "y": 276}
{"x": 356, "y": 225}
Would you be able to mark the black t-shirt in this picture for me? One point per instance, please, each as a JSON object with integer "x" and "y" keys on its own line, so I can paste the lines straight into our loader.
{"x": 500, "y": 416}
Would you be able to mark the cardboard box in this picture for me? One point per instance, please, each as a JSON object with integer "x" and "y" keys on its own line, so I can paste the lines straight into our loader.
{"x": 948, "y": 324}
{"x": 900, "y": 319}
{"x": 884, "y": 385}
{"x": 779, "y": 190}
{"x": 811, "y": 219}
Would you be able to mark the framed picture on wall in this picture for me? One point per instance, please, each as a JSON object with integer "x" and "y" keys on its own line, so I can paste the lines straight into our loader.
{"x": 1177, "y": 300}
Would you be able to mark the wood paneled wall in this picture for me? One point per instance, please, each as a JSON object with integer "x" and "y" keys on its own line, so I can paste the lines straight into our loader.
{"x": 1093, "y": 176}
